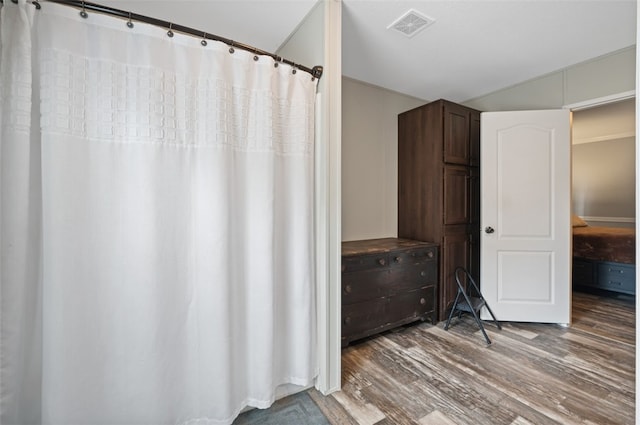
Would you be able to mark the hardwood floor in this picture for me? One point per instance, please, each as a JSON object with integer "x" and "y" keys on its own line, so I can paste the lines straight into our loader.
{"x": 531, "y": 374}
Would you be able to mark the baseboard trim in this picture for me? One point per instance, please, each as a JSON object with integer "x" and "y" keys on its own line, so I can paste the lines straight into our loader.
{"x": 609, "y": 219}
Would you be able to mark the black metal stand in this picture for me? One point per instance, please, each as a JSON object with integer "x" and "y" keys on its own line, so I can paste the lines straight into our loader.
{"x": 470, "y": 304}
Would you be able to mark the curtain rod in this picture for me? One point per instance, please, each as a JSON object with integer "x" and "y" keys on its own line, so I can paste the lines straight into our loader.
{"x": 316, "y": 71}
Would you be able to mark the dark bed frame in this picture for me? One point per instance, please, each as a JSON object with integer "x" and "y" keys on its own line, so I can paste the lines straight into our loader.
{"x": 593, "y": 274}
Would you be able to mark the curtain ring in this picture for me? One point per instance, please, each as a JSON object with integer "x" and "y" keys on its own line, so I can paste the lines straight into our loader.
{"x": 276, "y": 60}
{"x": 231, "y": 49}
{"x": 130, "y": 24}
{"x": 36, "y": 4}
{"x": 204, "y": 39}
{"x": 295, "y": 69}
{"x": 83, "y": 12}
{"x": 170, "y": 33}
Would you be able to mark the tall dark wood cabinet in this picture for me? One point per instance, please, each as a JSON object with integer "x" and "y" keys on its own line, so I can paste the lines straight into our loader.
{"x": 439, "y": 187}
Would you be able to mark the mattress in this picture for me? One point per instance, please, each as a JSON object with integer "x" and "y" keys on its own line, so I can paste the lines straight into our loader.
{"x": 613, "y": 244}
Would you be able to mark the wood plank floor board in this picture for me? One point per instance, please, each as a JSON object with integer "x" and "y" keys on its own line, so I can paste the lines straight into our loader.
{"x": 484, "y": 398}
{"x": 388, "y": 356}
{"x": 560, "y": 375}
{"x": 332, "y": 410}
{"x": 365, "y": 413}
{"x": 602, "y": 412}
{"x": 437, "y": 390}
{"x": 599, "y": 316}
{"x": 533, "y": 373}
{"x": 529, "y": 386}
{"x": 436, "y": 418}
{"x": 521, "y": 421}
{"x": 618, "y": 361}
{"x": 407, "y": 395}
{"x": 490, "y": 407}
{"x": 599, "y": 383}
{"x": 560, "y": 380}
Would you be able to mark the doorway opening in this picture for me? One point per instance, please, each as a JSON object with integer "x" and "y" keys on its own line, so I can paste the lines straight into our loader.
{"x": 604, "y": 197}
{"x": 603, "y": 161}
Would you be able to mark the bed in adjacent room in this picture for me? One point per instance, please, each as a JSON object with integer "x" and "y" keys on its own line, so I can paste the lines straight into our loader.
{"x": 604, "y": 257}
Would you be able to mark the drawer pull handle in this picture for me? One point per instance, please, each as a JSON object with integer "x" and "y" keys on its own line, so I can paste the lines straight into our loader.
{"x": 382, "y": 261}
{"x": 611, "y": 282}
{"x": 347, "y": 320}
{"x": 347, "y": 289}
{"x": 423, "y": 301}
{"x": 616, "y": 271}
{"x": 423, "y": 273}
{"x": 430, "y": 254}
{"x": 398, "y": 259}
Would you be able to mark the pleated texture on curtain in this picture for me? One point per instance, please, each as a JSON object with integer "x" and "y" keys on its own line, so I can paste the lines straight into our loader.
{"x": 156, "y": 224}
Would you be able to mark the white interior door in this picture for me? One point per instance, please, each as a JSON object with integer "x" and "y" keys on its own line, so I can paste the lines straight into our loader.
{"x": 525, "y": 215}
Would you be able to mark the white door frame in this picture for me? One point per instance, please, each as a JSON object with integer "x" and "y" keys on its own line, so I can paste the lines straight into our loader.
{"x": 592, "y": 103}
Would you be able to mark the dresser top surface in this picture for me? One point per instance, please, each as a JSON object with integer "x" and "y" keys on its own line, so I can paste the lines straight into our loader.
{"x": 374, "y": 246}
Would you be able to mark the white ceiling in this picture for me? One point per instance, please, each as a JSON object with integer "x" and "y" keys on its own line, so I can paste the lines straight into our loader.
{"x": 477, "y": 47}
{"x": 474, "y": 47}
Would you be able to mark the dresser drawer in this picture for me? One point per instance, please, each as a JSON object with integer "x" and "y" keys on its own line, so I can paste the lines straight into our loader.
{"x": 365, "y": 262}
{"x": 617, "y": 277}
{"x": 365, "y": 318}
{"x": 414, "y": 256}
{"x": 413, "y": 277}
{"x": 413, "y": 304}
{"x": 373, "y": 316}
{"x": 365, "y": 285}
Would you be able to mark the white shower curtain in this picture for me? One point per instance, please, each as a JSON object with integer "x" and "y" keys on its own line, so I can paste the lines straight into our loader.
{"x": 155, "y": 223}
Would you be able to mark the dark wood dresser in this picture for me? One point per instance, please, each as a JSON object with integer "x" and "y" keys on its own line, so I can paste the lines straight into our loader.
{"x": 387, "y": 283}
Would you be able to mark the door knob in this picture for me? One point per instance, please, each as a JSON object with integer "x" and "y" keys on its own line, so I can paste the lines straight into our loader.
{"x": 489, "y": 229}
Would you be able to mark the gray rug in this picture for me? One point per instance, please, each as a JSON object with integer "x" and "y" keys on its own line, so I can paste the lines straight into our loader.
{"x": 298, "y": 409}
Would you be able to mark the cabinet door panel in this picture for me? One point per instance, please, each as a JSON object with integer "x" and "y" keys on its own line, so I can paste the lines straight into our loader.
{"x": 456, "y": 195}
{"x": 456, "y": 134}
{"x": 455, "y": 253}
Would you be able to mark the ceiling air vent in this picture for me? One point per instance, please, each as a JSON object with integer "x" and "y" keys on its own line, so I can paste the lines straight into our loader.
{"x": 411, "y": 23}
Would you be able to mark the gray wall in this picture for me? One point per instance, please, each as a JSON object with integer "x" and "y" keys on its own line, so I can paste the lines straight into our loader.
{"x": 604, "y": 181}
